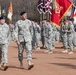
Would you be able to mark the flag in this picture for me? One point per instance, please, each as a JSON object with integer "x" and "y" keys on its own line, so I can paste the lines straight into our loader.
{"x": 44, "y": 6}
{"x": 60, "y": 8}
{"x": 10, "y": 12}
{"x": 73, "y": 10}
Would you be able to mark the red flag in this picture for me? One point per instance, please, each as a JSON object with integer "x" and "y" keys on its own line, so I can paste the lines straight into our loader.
{"x": 59, "y": 10}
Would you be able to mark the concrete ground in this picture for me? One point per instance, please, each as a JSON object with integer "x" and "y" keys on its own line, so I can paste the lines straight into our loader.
{"x": 45, "y": 64}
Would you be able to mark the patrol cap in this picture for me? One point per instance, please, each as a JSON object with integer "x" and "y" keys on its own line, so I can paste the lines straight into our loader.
{"x": 23, "y": 12}
{"x": 2, "y": 17}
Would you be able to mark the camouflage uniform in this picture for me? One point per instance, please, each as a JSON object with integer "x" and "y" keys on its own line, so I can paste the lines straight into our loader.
{"x": 64, "y": 36}
{"x": 4, "y": 36}
{"x": 57, "y": 35}
{"x": 33, "y": 36}
{"x": 37, "y": 34}
{"x": 11, "y": 29}
{"x": 23, "y": 35}
{"x": 54, "y": 35}
{"x": 74, "y": 36}
{"x": 48, "y": 37}
{"x": 43, "y": 34}
{"x": 70, "y": 36}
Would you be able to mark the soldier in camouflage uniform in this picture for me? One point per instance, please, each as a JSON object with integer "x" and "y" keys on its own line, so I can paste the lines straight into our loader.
{"x": 74, "y": 35}
{"x": 11, "y": 28}
{"x": 33, "y": 35}
{"x": 24, "y": 39}
{"x": 43, "y": 28}
{"x": 64, "y": 36}
{"x": 37, "y": 35}
{"x": 4, "y": 36}
{"x": 54, "y": 28}
{"x": 48, "y": 37}
{"x": 57, "y": 35}
{"x": 70, "y": 33}
{"x": 61, "y": 33}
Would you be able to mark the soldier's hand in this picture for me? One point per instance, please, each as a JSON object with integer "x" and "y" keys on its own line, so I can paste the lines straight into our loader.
{"x": 18, "y": 43}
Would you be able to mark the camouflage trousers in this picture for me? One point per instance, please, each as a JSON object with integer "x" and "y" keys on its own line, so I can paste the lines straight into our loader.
{"x": 4, "y": 53}
{"x": 65, "y": 41}
{"x": 70, "y": 41}
{"x": 43, "y": 40}
{"x": 48, "y": 43}
{"x": 53, "y": 39}
{"x": 57, "y": 36}
{"x": 74, "y": 39}
{"x": 28, "y": 47}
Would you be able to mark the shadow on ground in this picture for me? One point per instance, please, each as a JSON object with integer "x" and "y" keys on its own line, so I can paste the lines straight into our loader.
{"x": 65, "y": 65}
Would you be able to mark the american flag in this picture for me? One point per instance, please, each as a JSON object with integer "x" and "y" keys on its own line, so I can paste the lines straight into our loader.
{"x": 73, "y": 9}
{"x": 44, "y": 6}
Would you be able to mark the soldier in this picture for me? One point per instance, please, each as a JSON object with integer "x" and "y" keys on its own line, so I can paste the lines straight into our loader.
{"x": 64, "y": 36}
{"x": 70, "y": 33}
{"x": 48, "y": 37}
{"x": 11, "y": 28}
{"x": 57, "y": 36}
{"x": 74, "y": 36}
{"x": 61, "y": 33}
{"x": 4, "y": 36}
{"x": 43, "y": 28}
{"x": 37, "y": 35}
{"x": 54, "y": 35}
{"x": 24, "y": 38}
{"x": 33, "y": 35}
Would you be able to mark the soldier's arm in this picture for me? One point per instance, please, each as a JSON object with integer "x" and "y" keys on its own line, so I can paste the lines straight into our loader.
{"x": 71, "y": 29}
{"x": 31, "y": 28}
{"x": 63, "y": 29}
{"x": 44, "y": 30}
{"x": 39, "y": 28}
{"x": 8, "y": 34}
{"x": 50, "y": 31}
{"x": 16, "y": 31}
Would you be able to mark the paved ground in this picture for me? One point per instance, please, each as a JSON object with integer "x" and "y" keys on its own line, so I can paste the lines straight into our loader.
{"x": 45, "y": 64}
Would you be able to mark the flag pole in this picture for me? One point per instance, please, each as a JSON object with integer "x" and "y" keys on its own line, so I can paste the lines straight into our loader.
{"x": 41, "y": 17}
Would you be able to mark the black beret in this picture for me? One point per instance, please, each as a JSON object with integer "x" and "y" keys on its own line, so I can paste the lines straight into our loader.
{"x": 48, "y": 20}
{"x": 23, "y": 12}
{"x": 2, "y": 17}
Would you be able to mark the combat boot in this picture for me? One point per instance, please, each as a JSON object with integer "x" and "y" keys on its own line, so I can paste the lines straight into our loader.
{"x": 5, "y": 67}
{"x": 21, "y": 65}
{"x": 30, "y": 65}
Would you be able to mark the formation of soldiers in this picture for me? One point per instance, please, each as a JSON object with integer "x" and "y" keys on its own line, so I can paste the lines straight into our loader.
{"x": 68, "y": 31}
{"x": 50, "y": 35}
{"x": 28, "y": 35}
